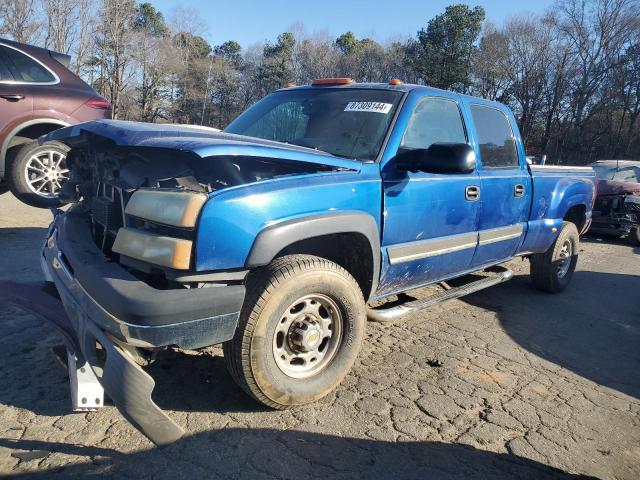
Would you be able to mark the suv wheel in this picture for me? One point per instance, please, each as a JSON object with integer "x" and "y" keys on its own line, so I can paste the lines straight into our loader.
{"x": 36, "y": 173}
{"x": 299, "y": 332}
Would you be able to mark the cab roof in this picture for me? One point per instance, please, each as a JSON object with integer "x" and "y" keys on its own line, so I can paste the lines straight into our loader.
{"x": 402, "y": 87}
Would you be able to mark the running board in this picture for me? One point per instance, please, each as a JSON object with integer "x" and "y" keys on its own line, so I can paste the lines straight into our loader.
{"x": 390, "y": 314}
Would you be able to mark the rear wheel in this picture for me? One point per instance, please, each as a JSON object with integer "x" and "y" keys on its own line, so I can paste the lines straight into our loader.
{"x": 299, "y": 332}
{"x": 36, "y": 173}
{"x": 552, "y": 271}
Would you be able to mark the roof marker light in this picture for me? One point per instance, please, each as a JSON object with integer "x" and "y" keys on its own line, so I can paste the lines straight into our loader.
{"x": 288, "y": 85}
{"x": 332, "y": 81}
{"x": 395, "y": 81}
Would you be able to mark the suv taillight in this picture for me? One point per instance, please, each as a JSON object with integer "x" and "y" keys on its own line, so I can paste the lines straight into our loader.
{"x": 98, "y": 103}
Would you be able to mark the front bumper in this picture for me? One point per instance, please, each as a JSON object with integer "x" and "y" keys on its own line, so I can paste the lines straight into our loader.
{"x": 109, "y": 309}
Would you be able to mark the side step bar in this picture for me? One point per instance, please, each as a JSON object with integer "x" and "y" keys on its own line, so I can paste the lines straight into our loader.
{"x": 390, "y": 314}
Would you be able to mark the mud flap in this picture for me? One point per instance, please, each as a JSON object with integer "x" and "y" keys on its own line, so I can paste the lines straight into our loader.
{"x": 130, "y": 389}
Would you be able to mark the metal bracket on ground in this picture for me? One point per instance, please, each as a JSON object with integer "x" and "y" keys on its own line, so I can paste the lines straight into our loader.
{"x": 87, "y": 395}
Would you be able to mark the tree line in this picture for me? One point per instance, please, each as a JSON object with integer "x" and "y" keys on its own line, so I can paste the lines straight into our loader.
{"x": 571, "y": 75}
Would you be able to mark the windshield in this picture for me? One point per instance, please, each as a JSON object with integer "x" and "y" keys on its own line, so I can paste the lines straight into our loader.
{"x": 347, "y": 122}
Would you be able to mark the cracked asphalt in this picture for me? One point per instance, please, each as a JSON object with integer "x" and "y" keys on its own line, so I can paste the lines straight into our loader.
{"x": 506, "y": 383}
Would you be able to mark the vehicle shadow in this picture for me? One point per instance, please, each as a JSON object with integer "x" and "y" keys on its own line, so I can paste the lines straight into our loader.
{"x": 267, "y": 453}
{"x": 198, "y": 383}
{"x": 592, "y": 328}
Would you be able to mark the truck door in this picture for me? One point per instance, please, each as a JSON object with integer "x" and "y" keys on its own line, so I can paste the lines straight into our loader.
{"x": 430, "y": 220}
{"x": 505, "y": 186}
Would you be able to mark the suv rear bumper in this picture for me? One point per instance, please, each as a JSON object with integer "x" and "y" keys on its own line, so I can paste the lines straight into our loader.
{"x": 99, "y": 294}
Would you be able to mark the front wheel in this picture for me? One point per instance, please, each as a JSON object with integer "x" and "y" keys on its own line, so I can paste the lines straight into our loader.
{"x": 36, "y": 173}
{"x": 299, "y": 332}
{"x": 552, "y": 270}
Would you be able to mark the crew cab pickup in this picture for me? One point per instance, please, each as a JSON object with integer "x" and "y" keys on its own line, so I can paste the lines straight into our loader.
{"x": 275, "y": 236}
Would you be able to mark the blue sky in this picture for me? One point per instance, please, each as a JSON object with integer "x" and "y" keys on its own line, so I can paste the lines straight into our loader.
{"x": 251, "y": 21}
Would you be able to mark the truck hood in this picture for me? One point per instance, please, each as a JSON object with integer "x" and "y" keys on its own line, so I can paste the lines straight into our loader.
{"x": 612, "y": 187}
{"x": 202, "y": 141}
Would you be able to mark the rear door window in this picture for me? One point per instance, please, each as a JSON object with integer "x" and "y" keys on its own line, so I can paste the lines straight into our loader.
{"x": 24, "y": 68}
{"x": 495, "y": 137}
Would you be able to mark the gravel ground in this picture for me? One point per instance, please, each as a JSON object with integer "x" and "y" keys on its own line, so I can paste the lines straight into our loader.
{"x": 508, "y": 382}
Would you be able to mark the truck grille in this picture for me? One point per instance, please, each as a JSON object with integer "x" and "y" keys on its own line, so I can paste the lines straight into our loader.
{"x": 107, "y": 214}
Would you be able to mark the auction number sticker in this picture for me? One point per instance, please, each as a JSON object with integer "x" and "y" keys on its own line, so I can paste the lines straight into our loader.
{"x": 376, "y": 107}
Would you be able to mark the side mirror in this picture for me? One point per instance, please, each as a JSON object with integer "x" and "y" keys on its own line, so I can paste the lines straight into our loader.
{"x": 439, "y": 158}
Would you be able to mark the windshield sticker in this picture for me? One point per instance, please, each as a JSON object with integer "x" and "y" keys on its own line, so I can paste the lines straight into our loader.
{"x": 376, "y": 107}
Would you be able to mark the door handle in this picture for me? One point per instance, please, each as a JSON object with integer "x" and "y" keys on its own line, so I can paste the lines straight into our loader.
{"x": 472, "y": 193}
{"x": 518, "y": 190}
{"x": 12, "y": 97}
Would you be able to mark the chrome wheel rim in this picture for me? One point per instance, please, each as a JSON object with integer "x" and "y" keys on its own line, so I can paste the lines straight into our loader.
{"x": 307, "y": 336}
{"x": 564, "y": 261}
{"x": 45, "y": 172}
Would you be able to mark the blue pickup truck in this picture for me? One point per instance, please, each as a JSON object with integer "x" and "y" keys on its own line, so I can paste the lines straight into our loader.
{"x": 277, "y": 236}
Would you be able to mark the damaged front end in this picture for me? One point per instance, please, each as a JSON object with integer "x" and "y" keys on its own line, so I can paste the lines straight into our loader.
{"x": 122, "y": 256}
{"x": 617, "y": 214}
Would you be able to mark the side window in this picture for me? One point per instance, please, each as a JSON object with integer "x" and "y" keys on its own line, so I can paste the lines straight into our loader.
{"x": 24, "y": 68}
{"x": 434, "y": 120}
{"x": 285, "y": 122}
{"x": 497, "y": 145}
{"x": 5, "y": 75}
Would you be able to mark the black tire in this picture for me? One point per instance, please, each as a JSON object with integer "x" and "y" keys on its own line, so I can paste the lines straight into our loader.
{"x": 18, "y": 159}
{"x": 548, "y": 272}
{"x": 3, "y": 188}
{"x": 271, "y": 291}
{"x": 634, "y": 236}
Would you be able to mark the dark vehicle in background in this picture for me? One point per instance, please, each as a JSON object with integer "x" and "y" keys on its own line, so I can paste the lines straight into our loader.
{"x": 38, "y": 94}
{"x": 617, "y": 207}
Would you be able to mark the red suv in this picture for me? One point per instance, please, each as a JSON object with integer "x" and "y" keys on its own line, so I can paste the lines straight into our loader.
{"x": 38, "y": 94}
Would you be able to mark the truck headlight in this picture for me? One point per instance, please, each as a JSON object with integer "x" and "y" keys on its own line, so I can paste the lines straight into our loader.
{"x": 178, "y": 209}
{"x": 156, "y": 249}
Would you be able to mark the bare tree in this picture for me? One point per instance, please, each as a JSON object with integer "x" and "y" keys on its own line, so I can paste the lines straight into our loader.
{"x": 19, "y": 20}
{"x": 596, "y": 32}
{"x": 61, "y": 16}
{"x": 489, "y": 62}
{"x": 526, "y": 66}
{"x": 84, "y": 36}
{"x": 114, "y": 48}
